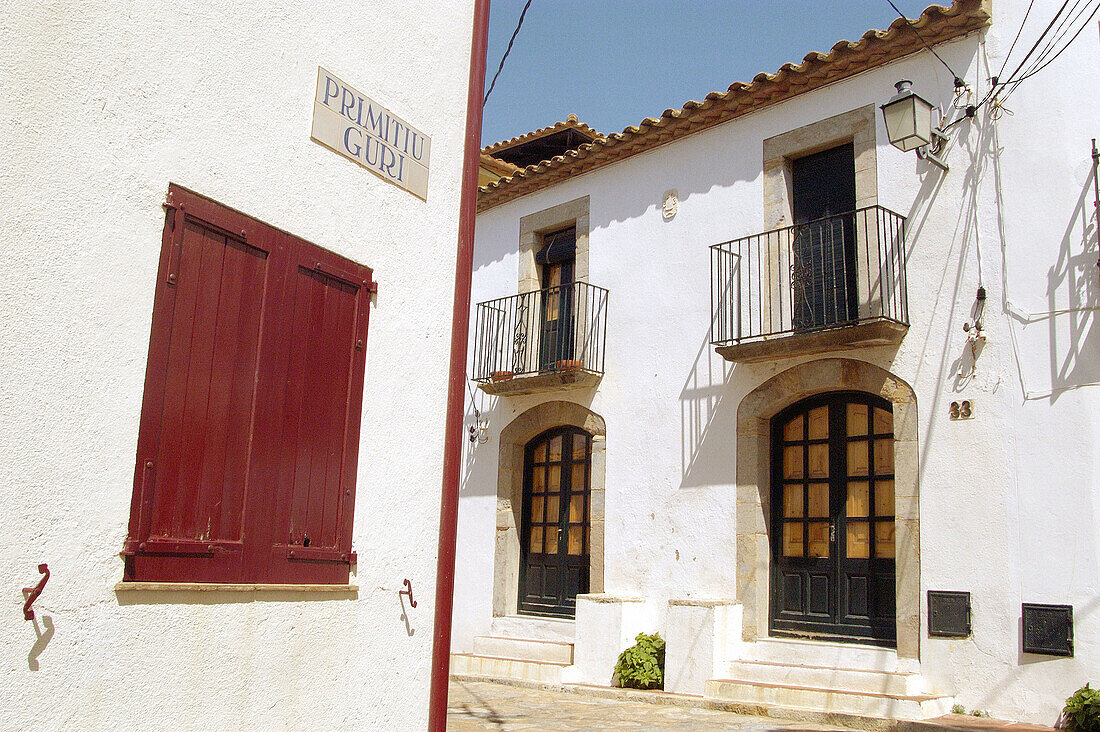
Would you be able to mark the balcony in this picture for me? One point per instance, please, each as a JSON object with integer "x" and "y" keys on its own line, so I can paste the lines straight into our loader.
{"x": 541, "y": 340}
{"x": 825, "y": 285}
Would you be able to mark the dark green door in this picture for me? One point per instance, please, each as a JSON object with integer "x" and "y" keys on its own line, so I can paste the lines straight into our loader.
{"x": 833, "y": 519}
{"x": 556, "y": 261}
{"x": 555, "y": 532}
{"x": 823, "y": 248}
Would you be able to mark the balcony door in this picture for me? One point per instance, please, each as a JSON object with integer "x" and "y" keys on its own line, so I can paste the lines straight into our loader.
{"x": 557, "y": 260}
{"x": 556, "y": 518}
{"x": 823, "y": 256}
{"x": 833, "y": 567}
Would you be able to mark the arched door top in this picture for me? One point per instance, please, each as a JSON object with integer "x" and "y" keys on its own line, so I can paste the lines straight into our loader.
{"x": 754, "y": 469}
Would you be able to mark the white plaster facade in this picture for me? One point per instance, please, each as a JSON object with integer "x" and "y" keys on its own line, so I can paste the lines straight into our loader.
{"x": 104, "y": 105}
{"x": 1008, "y": 501}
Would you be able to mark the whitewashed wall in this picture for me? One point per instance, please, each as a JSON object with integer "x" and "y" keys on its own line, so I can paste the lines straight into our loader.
{"x": 104, "y": 104}
{"x": 1010, "y": 505}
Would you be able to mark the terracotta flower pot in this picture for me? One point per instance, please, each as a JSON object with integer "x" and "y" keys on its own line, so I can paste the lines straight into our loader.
{"x": 569, "y": 364}
{"x": 501, "y": 375}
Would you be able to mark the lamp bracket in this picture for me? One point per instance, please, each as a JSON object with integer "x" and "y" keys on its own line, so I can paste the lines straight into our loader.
{"x": 932, "y": 153}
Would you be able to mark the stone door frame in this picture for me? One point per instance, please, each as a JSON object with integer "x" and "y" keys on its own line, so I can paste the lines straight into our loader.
{"x": 513, "y": 440}
{"x": 754, "y": 416}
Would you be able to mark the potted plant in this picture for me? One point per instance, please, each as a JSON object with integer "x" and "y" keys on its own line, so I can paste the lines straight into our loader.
{"x": 501, "y": 375}
{"x": 569, "y": 364}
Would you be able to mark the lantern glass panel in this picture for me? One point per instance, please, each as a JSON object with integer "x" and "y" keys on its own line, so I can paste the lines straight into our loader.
{"x": 908, "y": 122}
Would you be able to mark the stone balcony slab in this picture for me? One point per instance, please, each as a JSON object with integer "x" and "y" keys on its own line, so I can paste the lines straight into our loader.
{"x": 864, "y": 334}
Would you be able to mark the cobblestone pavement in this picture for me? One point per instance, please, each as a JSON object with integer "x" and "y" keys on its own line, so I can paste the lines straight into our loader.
{"x": 484, "y": 705}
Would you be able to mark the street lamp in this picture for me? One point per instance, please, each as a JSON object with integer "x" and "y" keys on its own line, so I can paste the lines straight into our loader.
{"x": 908, "y": 118}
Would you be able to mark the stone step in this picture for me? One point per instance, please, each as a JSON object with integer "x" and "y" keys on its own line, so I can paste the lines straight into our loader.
{"x": 526, "y": 649}
{"x": 825, "y": 654}
{"x": 560, "y": 630}
{"x": 823, "y": 677}
{"x": 861, "y": 703}
{"x": 469, "y": 664}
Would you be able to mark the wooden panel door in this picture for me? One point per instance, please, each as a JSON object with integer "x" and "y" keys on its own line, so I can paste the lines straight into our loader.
{"x": 555, "y": 535}
{"x": 833, "y": 564}
{"x": 823, "y": 252}
{"x": 557, "y": 260}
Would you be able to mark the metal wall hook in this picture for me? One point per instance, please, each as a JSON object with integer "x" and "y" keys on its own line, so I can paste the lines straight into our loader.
{"x": 408, "y": 591}
{"x": 32, "y": 593}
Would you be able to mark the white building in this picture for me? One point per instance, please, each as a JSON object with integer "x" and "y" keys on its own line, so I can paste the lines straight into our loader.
{"x": 731, "y": 389}
{"x": 185, "y": 278}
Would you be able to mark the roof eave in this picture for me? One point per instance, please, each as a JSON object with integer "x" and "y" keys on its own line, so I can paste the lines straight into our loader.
{"x": 936, "y": 24}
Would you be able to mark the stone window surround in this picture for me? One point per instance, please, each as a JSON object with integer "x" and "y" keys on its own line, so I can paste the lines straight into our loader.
{"x": 856, "y": 126}
{"x": 534, "y": 226}
{"x": 754, "y": 416}
{"x": 513, "y": 440}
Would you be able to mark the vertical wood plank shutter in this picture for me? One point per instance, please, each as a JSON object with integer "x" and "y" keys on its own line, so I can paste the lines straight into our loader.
{"x": 325, "y": 332}
{"x": 249, "y": 431}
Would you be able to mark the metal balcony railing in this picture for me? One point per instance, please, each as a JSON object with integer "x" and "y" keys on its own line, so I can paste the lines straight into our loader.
{"x": 836, "y": 271}
{"x": 553, "y": 330}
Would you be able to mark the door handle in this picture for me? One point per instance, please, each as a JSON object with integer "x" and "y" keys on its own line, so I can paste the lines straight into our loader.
{"x": 832, "y": 532}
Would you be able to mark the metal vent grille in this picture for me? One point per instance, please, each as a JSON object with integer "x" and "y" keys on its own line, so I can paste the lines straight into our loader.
{"x": 1048, "y": 629}
{"x": 948, "y": 614}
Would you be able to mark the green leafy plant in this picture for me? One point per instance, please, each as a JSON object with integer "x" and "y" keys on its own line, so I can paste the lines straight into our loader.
{"x": 642, "y": 666}
{"x": 1082, "y": 710}
{"x": 960, "y": 709}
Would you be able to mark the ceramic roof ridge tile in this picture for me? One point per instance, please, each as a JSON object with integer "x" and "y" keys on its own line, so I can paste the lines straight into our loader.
{"x": 501, "y": 167}
{"x": 874, "y": 48}
{"x": 570, "y": 123}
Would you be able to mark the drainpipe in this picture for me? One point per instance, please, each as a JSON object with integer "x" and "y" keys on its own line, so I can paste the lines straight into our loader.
{"x": 456, "y": 379}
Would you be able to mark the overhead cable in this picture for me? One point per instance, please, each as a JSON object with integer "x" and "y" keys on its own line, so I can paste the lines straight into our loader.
{"x": 1019, "y": 31}
{"x": 1000, "y": 89}
{"x": 958, "y": 79}
{"x": 506, "y": 52}
{"x": 1049, "y": 59}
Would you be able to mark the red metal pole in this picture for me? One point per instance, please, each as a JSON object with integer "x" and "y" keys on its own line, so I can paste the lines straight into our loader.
{"x": 456, "y": 380}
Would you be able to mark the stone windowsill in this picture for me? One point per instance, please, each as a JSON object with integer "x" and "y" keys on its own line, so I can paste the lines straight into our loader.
{"x": 232, "y": 587}
{"x": 702, "y": 602}
{"x": 600, "y": 597}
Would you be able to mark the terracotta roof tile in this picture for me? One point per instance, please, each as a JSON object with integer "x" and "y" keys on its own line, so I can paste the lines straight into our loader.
{"x": 571, "y": 123}
{"x": 501, "y": 167}
{"x": 875, "y": 48}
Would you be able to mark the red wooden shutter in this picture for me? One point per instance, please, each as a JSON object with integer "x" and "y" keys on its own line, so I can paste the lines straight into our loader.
{"x": 194, "y": 447}
{"x": 325, "y": 331}
{"x": 253, "y": 398}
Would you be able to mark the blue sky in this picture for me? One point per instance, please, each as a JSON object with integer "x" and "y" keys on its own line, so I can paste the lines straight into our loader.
{"x": 613, "y": 63}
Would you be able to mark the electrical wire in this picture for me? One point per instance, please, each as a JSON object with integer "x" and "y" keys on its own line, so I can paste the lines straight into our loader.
{"x": 1038, "y": 41}
{"x": 1052, "y": 58}
{"x": 1057, "y": 36}
{"x": 997, "y": 93}
{"x": 1019, "y": 32}
{"x": 506, "y": 52}
{"x": 958, "y": 79}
